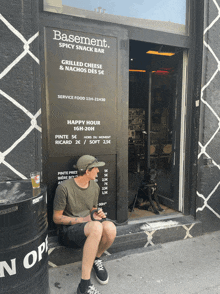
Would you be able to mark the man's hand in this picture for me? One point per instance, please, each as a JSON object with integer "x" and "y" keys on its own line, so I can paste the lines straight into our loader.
{"x": 98, "y": 215}
{"x": 101, "y": 213}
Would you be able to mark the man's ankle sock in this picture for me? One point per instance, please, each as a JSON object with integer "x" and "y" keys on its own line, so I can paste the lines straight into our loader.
{"x": 83, "y": 285}
{"x": 97, "y": 258}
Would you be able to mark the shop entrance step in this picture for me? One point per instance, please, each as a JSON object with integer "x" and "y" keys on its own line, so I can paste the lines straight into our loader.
{"x": 153, "y": 231}
{"x": 136, "y": 234}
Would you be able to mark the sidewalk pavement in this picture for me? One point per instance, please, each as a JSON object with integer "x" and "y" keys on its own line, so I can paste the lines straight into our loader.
{"x": 190, "y": 266}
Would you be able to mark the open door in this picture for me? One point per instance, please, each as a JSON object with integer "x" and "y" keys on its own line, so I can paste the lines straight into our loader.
{"x": 166, "y": 91}
{"x": 154, "y": 123}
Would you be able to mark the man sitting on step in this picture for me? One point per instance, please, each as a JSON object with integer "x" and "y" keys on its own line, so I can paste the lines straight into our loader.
{"x": 74, "y": 200}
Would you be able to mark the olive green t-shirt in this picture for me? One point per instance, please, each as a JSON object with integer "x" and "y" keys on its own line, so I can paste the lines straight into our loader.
{"x": 76, "y": 201}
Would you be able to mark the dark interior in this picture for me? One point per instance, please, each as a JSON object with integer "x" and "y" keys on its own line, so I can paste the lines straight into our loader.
{"x": 153, "y": 83}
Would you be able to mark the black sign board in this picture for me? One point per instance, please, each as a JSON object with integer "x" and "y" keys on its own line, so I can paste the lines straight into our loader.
{"x": 81, "y": 88}
{"x": 81, "y": 91}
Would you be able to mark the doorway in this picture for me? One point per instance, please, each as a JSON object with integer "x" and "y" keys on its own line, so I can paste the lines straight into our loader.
{"x": 155, "y": 81}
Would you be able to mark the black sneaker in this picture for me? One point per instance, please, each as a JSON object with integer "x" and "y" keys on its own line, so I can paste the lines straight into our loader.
{"x": 90, "y": 290}
{"x": 101, "y": 272}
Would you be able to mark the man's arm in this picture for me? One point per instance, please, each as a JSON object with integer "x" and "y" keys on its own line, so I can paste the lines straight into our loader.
{"x": 61, "y": 219}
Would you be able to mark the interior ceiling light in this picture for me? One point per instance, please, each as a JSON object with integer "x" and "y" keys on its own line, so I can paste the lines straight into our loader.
{"x": 160, "y": 53}
{"x": 137, "y": 70}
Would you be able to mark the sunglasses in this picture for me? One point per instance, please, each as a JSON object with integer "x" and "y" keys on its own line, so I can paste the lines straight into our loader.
{"x": 96, "y": 160}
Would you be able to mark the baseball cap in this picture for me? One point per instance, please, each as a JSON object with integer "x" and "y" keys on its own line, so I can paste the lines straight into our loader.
{"x": 87, "y": 161}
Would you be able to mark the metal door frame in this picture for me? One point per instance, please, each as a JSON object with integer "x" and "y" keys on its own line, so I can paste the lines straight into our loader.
{"x": 183, "y": 131}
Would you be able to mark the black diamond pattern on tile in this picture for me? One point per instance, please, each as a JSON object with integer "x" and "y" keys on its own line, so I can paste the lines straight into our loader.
{"x": 6, "y": 173}
{"x": 210, "y": 125}
{"x": 19, "y": 138}
{"x": 209, "y": 188}
{"x": 212, "y": 66}
{"x": 14, "y": 120}
{"x": 23, "y": 83}
{"x": 211, "y": 178}
{"x": 213, "y": 38}
{"x": 25, "y": 26}
{"x": 213, "y": 148}
{"x": 29, "y": 143}
{"x": 9, "y": 43}
{"x": 213, "y": 200}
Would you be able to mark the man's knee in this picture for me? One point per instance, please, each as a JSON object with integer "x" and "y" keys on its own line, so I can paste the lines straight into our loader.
{"x": 109, "y": 229}
{"x": 94, "y": 228}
